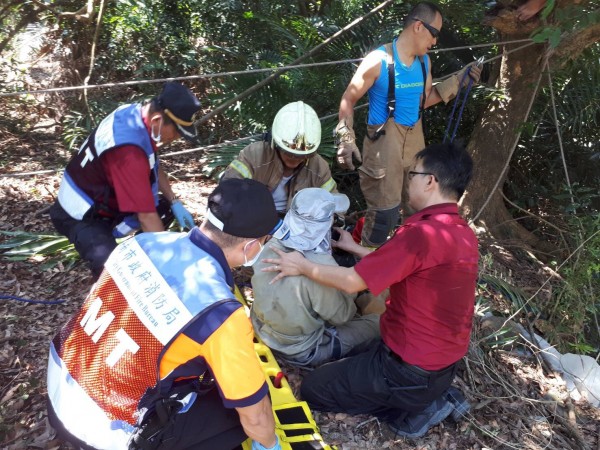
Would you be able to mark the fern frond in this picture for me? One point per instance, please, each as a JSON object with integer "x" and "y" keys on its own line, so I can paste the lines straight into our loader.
{"x": 511, "y": 293}
{"x": 25, "y": 245}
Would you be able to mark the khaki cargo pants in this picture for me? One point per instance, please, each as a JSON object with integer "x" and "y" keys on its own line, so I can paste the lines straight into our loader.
{"x": 385, "y": 161}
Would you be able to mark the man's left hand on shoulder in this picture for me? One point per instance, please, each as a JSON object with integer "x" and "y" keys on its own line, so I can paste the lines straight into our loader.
{"x": 288, "y": 264}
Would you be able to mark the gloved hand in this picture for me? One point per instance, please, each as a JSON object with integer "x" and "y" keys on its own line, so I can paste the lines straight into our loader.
{"x": 345, "y": 141}
{"x": 183, "y": 216}
{"x": 448, "y": 88}
{"x": 474, "y": 74}
{"x": 259, "y": 446}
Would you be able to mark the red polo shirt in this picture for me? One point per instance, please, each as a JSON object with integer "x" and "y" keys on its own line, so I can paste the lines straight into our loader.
{"x": 430, "y": 266}
{"x": 128, "y": 172}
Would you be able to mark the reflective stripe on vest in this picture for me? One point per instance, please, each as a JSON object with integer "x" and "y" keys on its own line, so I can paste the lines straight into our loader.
{"x": 87, "y": 421}
{"x": 328, "y": 185}
{"x": 73, "y": 200}
{"x": 241, "y": 168}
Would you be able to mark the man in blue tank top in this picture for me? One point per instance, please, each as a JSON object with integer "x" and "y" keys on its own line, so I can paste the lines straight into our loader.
{"x": 392, "y": 140}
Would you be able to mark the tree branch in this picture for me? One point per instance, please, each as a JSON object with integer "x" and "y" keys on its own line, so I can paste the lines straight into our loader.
{"x": 227, "y": 103}
{"x": 571, "y": 47}
{"x": 84, "y": 14}
{"x": 93, "y": 55}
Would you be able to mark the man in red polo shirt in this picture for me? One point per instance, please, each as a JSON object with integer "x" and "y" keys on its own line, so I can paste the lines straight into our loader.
{"x": 430, "y": 266}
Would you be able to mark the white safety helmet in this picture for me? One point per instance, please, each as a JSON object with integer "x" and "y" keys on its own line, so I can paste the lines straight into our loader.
{"x": 297, "y": 129}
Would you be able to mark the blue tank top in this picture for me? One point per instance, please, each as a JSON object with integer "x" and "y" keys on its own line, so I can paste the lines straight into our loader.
{"x": 408, "y": 88}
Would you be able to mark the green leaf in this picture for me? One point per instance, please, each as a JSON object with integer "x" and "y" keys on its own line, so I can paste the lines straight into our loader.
{"x": 543, "y": 34}
{"x": 17, "y": 258}
{"x": 40, "y": 246}
{"x": 547, "y": 9}
{"x": 555, "y": 38}
{"x": 11, "y": 243}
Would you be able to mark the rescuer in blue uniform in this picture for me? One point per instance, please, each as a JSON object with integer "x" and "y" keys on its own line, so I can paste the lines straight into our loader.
{"x": 111, "y": 187}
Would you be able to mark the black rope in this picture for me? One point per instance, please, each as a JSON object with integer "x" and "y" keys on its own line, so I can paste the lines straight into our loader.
{"x": 27, "y": 300}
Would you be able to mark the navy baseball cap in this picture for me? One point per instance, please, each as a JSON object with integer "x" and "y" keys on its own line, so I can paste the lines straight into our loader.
{"x": 180, "y": 105}
{"x": 243, "y": 208}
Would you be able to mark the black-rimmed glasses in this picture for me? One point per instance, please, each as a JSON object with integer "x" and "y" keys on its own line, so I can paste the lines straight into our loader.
{"x": 412, "y": 173}
{"x": 432, "y": 30}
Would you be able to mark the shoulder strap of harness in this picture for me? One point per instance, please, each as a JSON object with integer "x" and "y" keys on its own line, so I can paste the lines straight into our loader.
{"x": 422, "y": 108}
{"x": 391, "y": 100}
{"x": 389, "y": 57}
{"x": 424, "y": 70}
{"x": 392, "y": 78}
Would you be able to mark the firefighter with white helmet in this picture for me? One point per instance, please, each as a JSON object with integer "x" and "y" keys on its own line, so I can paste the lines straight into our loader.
{"x": 297, "y": 129}
{"x": 286, "y": 160}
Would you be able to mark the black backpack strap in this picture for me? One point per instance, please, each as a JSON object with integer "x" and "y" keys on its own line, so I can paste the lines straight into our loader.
{"x": 149, "y": 433}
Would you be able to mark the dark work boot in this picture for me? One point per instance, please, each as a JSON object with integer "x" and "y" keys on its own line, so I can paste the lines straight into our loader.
{"x": 417, "y": 425}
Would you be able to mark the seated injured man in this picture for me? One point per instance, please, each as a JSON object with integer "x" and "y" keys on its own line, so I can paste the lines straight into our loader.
{"x": 304, "y": 322}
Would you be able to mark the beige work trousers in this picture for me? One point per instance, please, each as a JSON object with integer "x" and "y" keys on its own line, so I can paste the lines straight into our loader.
{"x": 385, "y": 162}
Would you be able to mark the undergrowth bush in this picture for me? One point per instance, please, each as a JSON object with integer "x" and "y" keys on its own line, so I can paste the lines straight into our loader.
{"x": 575, "y": 308}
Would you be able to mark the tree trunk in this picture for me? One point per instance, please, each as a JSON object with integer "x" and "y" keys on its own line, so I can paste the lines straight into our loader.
{"x": 496, "y": 135}
{"x": 492, "y": 142}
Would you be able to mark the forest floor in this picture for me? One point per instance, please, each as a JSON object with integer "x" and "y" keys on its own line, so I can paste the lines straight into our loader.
{"x": 516, "y": 402}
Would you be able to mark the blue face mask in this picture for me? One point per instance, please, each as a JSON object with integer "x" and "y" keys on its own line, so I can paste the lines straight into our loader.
{"x": 253, "y": 260}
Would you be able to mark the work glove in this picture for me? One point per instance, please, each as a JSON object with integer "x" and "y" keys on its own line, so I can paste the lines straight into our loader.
{"x": 474, "y": 74}
{"x": 450, "y": 86}
{"x": 258, "y": 446}
{"x": 346, "y": 144}
{"x": 183, "y": 216}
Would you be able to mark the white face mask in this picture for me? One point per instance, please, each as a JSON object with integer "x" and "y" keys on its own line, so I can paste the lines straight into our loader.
{"x": 253, "y": 260}
{"x": 156, "y": 137}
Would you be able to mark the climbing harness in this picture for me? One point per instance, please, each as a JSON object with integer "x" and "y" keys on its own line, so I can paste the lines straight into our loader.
{"x": 462, "y": 102}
